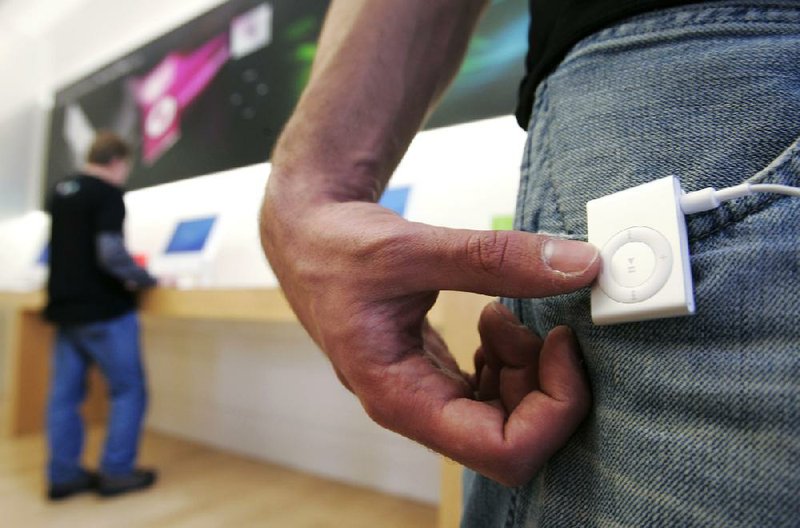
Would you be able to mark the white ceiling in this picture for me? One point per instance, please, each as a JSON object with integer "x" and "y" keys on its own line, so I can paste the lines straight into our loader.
{"x": 32, "y": 18}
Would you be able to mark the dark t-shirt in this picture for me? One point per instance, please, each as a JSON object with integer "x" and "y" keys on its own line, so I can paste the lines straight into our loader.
{"x": 557, "y": 25}
{"x": 79, "y": 290}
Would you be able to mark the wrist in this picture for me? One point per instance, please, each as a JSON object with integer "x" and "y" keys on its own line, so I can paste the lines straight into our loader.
{"x": 292, "y": 190}
{"x": 290, "y": 199}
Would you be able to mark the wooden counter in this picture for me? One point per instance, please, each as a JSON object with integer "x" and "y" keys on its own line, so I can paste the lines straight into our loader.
{"x": 28, "y": 343}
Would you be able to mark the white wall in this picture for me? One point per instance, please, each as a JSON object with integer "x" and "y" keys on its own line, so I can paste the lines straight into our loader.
{"x": 97, "y": 31}
{"x": 21, "y": 120}
{"x": 265, "y": 391}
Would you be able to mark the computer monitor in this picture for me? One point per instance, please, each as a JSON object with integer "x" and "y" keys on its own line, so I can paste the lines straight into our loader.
{"x": 44, "y": 256}
{"x": 188, "y": 255}
{"x": 396, "y": 199}
{"x": 190, "y": 236}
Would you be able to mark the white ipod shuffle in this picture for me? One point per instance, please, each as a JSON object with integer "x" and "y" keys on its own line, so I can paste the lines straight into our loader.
{"x": 646, "y": 273}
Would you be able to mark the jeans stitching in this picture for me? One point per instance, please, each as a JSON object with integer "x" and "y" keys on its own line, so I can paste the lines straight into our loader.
{"x": 512, "y": 508}
{"x": 726, "y": 11}
{"x": 548, "y": 170}
{"x": 522, "y": 196}
{"x": 547, "y": 176}
{"x": 666, "y": 23}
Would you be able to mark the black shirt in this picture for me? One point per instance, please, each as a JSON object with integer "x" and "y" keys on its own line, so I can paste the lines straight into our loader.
{"x": 557, "y": 25}
{"x": 79, "y": 289}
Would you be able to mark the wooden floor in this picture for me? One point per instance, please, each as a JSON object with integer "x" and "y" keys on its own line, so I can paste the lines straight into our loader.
{"x": 198, "y": 487}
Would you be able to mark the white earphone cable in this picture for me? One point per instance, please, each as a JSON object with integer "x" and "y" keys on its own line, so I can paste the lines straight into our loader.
{"x": 710, "y": 198}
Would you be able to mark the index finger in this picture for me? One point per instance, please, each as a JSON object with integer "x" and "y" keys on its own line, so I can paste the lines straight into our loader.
{"x": 500, "y": 263}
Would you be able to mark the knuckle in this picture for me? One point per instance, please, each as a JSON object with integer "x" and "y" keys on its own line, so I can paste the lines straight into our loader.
{"x": 488, "y": 251}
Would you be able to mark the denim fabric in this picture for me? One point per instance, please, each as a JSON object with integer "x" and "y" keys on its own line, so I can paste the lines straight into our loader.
{"x": 114, "y": 346}
{"x": 695, "y": 420}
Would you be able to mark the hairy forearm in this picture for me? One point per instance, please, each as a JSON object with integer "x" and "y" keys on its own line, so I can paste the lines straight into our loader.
{"x": 380, "y": 66}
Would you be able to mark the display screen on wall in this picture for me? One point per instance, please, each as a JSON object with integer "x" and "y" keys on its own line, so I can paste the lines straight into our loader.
{"x": 487, "y": 84}
{"x": 209, "y": 96}
{"x": 214, "y": 93}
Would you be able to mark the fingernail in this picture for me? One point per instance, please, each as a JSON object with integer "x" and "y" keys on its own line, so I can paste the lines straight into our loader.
{"x": 568, "y": 256}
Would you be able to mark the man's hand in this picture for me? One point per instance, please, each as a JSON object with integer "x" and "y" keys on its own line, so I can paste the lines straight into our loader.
{"x": 361, "y": 280}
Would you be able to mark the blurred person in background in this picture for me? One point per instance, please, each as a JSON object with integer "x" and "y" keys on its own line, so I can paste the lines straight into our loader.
{"x": 92, "y": 297}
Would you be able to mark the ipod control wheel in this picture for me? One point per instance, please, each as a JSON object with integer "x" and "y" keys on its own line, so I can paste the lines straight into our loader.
{"x": 636, "y": 264}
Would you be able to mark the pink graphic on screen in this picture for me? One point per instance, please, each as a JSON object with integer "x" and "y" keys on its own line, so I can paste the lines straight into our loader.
{"x": 164, "y": 94}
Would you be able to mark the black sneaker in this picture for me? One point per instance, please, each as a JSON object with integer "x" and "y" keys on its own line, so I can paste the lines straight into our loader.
{"x": 111, "y": 485}
{"x": 62, "y": 490}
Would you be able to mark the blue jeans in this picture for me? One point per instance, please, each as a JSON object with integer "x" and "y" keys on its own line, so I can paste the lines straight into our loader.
{"x": 114, "y": 346}
{"x": 695, "y": 420}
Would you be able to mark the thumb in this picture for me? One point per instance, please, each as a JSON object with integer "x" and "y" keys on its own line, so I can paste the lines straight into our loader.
{"x": 503, "y": 263}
